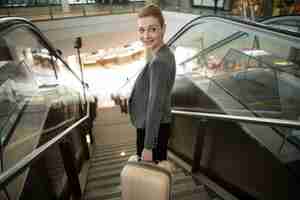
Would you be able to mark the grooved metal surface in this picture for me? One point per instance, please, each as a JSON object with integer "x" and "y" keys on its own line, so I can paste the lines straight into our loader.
{"x": 103, "y": 181}
{"x": 106, "y": 162}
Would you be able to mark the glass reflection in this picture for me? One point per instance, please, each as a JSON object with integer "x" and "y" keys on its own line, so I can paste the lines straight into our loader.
{"x": 242, "y": 71}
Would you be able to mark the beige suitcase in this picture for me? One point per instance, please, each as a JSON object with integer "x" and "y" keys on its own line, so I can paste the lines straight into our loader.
{"x": 145, "y": 181}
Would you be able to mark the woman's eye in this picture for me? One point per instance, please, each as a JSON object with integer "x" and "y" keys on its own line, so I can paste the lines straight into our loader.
{"x": 153, "y": 29}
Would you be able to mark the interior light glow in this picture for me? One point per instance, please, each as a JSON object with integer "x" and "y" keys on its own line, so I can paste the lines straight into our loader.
{"x": 88, "y": 139}
{"x": 122, "y": 153}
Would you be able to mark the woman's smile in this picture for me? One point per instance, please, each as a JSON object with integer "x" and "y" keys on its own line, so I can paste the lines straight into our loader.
{"x": 150, "y": 33}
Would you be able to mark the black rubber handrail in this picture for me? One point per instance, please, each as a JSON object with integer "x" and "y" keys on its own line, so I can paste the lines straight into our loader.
{"x": 13, "y": 22}
{"x": 216, "y": 45}
{"x": 267, "y": 20}
{"x": 231, "y": 20}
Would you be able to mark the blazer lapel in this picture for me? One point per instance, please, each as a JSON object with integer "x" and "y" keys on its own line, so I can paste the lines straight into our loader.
{"x": 137, "y": 80}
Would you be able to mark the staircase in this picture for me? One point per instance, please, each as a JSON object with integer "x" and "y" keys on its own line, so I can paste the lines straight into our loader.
{"x": 108, "y": 159}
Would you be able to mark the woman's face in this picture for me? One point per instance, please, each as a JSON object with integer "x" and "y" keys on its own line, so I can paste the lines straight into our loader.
{"x": 150, "y": 33}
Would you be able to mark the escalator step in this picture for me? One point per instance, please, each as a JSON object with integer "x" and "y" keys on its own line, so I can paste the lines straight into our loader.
{"x": 109, "y": 162}
{"x": 106, "y": 164}
{"x": 94, "y": 185}
{"x": 113, "y": 156}
{"x": 179, "y": 191}
{"x": 181, "y": 178}
{"x": 103, "y": 169}
{"x": 104, "y": 193}
{"x": 113, "y": 153}
{"x": 115, "y": 181}
{"x": 102, "y": 176}
{"x": 184, "y": 190}
{"x": 116, "y": 144}
{"x": 111, "y": 150}
{"x": 200, "y": 195}
{"x": 99, "y": 181}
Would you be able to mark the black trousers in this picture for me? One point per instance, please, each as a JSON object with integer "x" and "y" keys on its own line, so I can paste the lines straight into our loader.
{"x": 160, "y": 151}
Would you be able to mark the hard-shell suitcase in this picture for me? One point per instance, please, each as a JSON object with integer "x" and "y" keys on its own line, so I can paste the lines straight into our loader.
{"x": 145, "y": 181}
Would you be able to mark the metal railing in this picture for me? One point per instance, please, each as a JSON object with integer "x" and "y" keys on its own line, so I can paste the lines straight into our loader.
{"x": 238, "y": 119}
{"x": 254, "y": 120}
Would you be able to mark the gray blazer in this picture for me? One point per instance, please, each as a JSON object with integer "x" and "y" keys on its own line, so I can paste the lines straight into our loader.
{"x": 150, "y": 99}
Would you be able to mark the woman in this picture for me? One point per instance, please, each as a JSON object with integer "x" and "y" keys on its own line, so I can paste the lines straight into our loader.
{"x": 150, "y": 100}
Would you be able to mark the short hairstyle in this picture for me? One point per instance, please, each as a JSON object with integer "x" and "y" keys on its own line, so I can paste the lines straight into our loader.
{"x": 152, "y": 11}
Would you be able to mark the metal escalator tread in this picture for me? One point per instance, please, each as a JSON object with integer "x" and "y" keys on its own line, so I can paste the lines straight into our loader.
{"x": 113, "y": 148}
{"x": 109, "y": 158}
{"x": 179, "y": 191}
{"x": 107, "y": 146}
{"x": 109, "y": 162}
{"x": 106, "y": 168}
{"x": 181, "y": 185}
{"x": 97, "y": 154}
{"x": 183, "y": 191}
{"x": 106, "y": 175}
{"x": 181, "y": 178}
{"x": 94, "y": 185}
{"x": 116, "y": 155}
{"x": 115, "y": 181}
{"x": 103, "y": 181}
{"x": 104, "y": 193}
{"x": 199, "y": 195}
{"x": 112, "y": 151}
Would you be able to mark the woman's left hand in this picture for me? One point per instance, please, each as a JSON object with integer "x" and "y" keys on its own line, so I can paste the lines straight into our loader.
{"x": 147, "y": 155}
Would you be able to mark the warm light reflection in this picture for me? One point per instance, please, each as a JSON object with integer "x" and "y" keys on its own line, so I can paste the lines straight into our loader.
{"x": 104, "y": 81}
{"x": 182, "y": 54}
{"x": 88, "y": 139}
{"x": 122, "y": 153}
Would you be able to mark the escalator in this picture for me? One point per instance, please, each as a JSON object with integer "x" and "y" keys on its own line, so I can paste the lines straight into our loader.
{"x": 247, "y": 71}
{"x": 107, "y": 161}
{"x": 103, "y": 180}
{"x": 225, "y": 66}
{"x": 253, "y": 75}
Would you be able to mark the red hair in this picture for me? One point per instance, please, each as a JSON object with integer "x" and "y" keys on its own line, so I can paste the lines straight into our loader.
{"x": 152, "y": 11}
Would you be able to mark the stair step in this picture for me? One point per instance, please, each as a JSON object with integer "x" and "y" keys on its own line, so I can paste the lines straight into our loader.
{"x": 200, "y": 195}
{"x": 115, "y": 145}
{"x": 99, "y": 148}
{"x": 103, "y": 169}
{"x": 178, "y": 191}
{"x": 184, "y": 190}
{"x": 109, "y": 162}
{"x": 106, "y": 164}
{"x": 181, "y": 178}
{"x": 113, "y": 155}
{"x": 102, "y": 176}
{"x": 115, "y": 152}
{"x": 94, "y": 185}
{"x": 106, "y": 193}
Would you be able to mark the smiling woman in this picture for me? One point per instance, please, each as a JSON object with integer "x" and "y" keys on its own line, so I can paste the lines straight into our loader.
{"x": 150, "y": 100}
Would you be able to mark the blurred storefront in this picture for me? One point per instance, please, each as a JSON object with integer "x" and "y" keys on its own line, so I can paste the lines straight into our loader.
{"x": 209, "y": 3}
{"x": 265, "y": 8}
{"x": 286, "y": 7}
{"x": 256, "y": 8}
